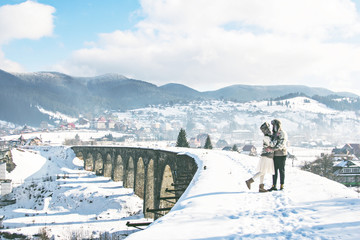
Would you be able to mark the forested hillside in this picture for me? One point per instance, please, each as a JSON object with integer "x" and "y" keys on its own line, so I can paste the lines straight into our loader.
{"x": 22, "y": 93}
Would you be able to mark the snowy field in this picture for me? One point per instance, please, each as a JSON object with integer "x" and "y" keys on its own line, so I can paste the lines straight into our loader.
{"x": 55, "y": 193}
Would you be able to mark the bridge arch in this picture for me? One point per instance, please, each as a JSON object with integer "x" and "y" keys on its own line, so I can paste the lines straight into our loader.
{"x": 80, "y": 155}
{"x": 140, "y": 178}
{"x": 166, "y": 184}
{"x": 99, "y": 164}
{"x": 118, "y": 169}
{"x": 89, "y": 162}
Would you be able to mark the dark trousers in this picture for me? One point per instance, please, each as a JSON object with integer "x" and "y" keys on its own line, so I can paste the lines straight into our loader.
{"x": 279, "y": 165}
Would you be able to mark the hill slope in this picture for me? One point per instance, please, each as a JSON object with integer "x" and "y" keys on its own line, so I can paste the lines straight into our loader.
{"x": 57, "y": 92}
{"x": 247, "y": 93}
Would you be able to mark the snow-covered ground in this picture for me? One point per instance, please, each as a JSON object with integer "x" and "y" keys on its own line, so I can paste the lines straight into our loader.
{"x": 54, "y": 192}
{"x": 216, "y": 205}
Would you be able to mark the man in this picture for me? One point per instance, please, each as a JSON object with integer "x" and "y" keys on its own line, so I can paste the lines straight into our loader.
{"x": 280, "y": 153}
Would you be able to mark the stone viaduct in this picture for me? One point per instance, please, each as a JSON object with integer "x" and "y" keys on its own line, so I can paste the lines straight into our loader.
{"x": 158, "y": 177}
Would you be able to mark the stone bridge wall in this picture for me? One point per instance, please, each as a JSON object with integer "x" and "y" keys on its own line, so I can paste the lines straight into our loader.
{"x": 158, "y": 177}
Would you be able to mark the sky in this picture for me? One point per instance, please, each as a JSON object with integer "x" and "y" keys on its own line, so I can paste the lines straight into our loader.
{"x": 203, "y": 44}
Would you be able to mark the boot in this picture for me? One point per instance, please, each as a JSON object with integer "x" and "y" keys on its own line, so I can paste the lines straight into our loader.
{"x": 281, "y": 186}
{"x": 273, "y": 188}
{"x": 261, "y": 188}
{"x": 249, "y": 182}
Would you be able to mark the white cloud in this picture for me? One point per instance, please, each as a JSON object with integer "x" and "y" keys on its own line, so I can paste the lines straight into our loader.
{"x": 27, "y": 20}
{"x": 211, "y": 44}
{"x": 319, "y": 18}
{"x": 9, "y": 65}
{"x": 30, "y": 20}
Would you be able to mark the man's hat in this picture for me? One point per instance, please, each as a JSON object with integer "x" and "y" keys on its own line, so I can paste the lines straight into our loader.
{"x": 276, "y": 122}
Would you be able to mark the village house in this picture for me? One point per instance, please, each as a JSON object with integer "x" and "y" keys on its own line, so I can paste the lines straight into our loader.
{"x": 249, "y": 149}
{"x": 27, "y": 129}
{"x": 83, "y": 123}
{"x": 194, "y": 143}
{"x": 340, "y": 152}
{"x": 35, "y": 141}
{"x": 227, "y": 148}
{"x": 347, "y": 152}
{"x": 21, "y": 141}
{"x": 352, "y": 148}
{"x": 110, "y": 124}
{"x": 67, "y": 126}
{"x": 347, "y": 172}
{"x": 5, "y": 184}
{"x": 198, "y": 141}
{"x": 100, "y": 123}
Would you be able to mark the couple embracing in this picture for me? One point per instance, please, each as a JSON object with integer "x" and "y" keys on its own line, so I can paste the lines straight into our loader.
{"x": 273, "y": 156}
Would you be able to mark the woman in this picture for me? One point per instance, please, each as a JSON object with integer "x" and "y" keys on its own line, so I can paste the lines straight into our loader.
{"x": 266, "y": 163}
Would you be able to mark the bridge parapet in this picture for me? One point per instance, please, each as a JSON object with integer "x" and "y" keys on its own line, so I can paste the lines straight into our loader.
{"x": 159, "y": 177}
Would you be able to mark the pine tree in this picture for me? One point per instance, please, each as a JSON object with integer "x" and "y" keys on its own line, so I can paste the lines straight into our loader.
{"x": 181, "y": 140}
{"x": 208, "y": 144}
{"x": 235, "y": 148}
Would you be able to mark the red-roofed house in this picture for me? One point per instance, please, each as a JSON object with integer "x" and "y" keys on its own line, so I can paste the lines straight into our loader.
{"x": 101, "y": 123}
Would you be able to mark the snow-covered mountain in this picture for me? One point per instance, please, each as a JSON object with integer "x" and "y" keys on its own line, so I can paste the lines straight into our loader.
{"x": 57, "y": 92}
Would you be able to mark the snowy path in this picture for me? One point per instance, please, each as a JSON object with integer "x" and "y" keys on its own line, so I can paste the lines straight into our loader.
{"x": 218, "y": 205}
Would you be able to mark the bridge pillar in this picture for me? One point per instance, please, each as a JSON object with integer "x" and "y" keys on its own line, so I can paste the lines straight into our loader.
{"x": 130, "y": 174}
{"x": 149, "y": 190}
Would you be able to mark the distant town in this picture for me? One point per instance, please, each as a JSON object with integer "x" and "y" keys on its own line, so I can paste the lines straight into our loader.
{"x": 230, "y": 126}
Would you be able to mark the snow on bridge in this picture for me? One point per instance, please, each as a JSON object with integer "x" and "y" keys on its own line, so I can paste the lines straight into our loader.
{"x": 218, "y": 205}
